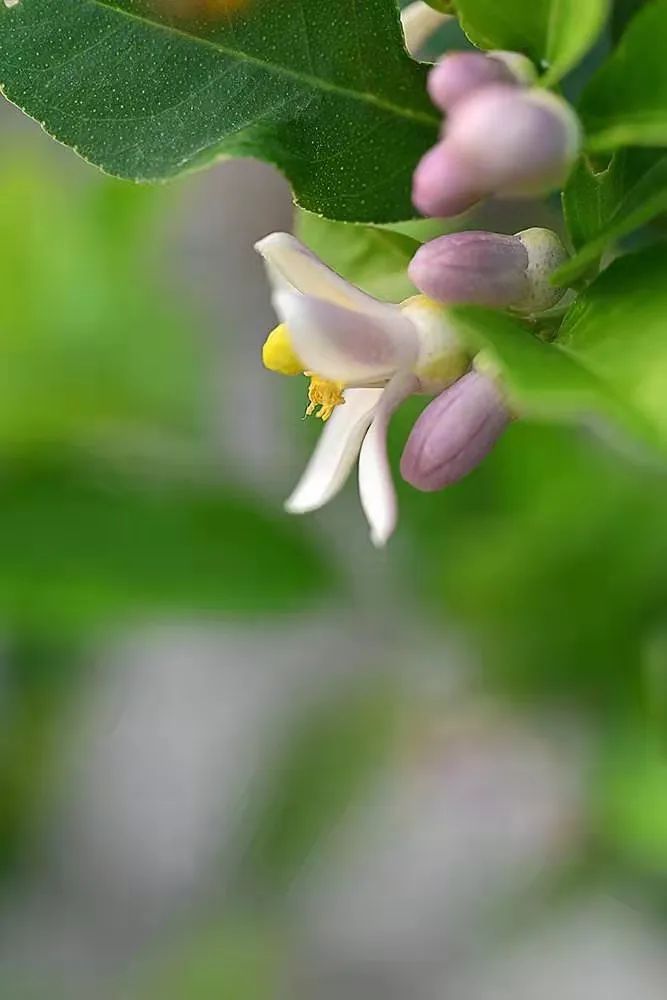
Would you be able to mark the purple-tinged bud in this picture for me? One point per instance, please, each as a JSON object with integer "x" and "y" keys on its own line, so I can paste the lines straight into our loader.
{"x": 442, "y": 184}
{"x": 483, "y": 268}
{"x": 454, "y": 433}
{"x": 490, "y": 269}
{"x": 517, "y": 142}
{"x": 458, "y": 74}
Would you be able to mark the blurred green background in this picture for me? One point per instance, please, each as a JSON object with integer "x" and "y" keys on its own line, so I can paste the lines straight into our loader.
{"x": 243, "y": 756}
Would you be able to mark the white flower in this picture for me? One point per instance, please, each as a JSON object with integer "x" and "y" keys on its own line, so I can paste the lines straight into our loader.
{"x": 360, "y": 352}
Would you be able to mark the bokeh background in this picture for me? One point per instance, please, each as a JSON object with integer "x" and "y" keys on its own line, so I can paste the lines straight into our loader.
{"x": 249, "y": 757}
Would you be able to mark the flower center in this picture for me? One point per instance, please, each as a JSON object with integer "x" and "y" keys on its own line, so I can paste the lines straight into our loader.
{"x": 323, "y": 394}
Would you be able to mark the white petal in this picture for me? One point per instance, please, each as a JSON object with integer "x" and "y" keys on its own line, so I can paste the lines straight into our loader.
{"x": 336, "y": 451}
{"x": 291, "y": 266}
{"x": 376, "y": 487}
{"x": 347, "y": 346}
{"x": 420, "y": 21}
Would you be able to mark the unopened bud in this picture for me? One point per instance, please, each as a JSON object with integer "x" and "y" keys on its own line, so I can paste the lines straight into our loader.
{"x": 501, "y": 140}
{"x": 454, "y": 433}
{"x": 458, "y": 74}
{"x": 491, "y": 269}
{"x": 521, "y": 142}
{"x": 443, "y": 184}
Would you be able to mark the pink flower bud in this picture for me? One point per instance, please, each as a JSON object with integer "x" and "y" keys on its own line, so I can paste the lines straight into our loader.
{"x": 489, "y": 269}
{"x": 500, "y": 140}
{"x": 454, "y": 433}
{"x": 517, "y": 142}
{"x": 459, "y": 73}
{"x": 442, "y": 184}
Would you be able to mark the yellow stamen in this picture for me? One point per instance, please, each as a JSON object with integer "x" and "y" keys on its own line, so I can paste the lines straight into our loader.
{"x": 278, "y": 354}
{"x": 325, "y": 395}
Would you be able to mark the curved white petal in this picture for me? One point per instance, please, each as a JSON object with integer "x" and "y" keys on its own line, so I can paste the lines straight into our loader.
{"x": 347, "y": 346}
{"x": 419, "y": 22}
{"x": 291, "y": 266}
{"x": 335, "y": 452}
{"x": 376, "y": 487}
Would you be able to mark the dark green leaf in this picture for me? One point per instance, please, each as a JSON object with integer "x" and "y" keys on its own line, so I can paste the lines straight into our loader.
{"x": 625, "y": 104}
{"x": 146, "y": 89}
{"x": 554, "y": 33}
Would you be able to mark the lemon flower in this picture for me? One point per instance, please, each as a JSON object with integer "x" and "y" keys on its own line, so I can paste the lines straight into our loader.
{"x": 363, "y": 358}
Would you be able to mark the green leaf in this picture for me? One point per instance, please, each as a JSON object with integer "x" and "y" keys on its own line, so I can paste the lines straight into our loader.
{"x": 84, "y": 317}
{"x": 372, "y": 258}
{"x": 548, "y": 382}
{"x": 325, "y": 91}
{"x": 625, "y": 104}
{"x": 554, "y": 33}
{"x": 236, "y": 958}
{"x": 602, "y": 208}
{"x": 76, "y": 551}
{"x": 617, "y": 330}
{"x": 444, "y": 6}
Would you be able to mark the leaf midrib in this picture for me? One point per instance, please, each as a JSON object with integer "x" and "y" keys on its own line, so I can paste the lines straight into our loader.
{"x": 314, "y": 82}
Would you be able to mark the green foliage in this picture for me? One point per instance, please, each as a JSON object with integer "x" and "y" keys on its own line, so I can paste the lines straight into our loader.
{"x": 325, "y": 91}
{"x": 228, "y": 960}
{"x": 79, "y": 549}
{"x": 554, "y": 33}
{"x": 374, "y": 259}
{"x": 80, "y": 333}
{"x": 601, "y": 208}
{"x": 617, "y": 331}
{"x": 546, "y": 382}
{"x": 553, "y": 554}
{"x": 444, "y": 6}
{"x": 610, "y": 361}
{"x": 625, "y": 104}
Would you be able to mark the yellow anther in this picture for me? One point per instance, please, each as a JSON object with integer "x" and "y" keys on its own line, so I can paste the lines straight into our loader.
{"x": 278, "y": 354}
{"x": 325, "y": 395}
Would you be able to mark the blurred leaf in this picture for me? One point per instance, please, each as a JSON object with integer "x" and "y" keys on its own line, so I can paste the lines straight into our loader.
{"x": 75, "y": 551}
{"x": 335, "y": 751}
{"x": 146, "y": 89}
{"x": 633, "y": 808}
{"x": 90, "y": 341}
{"x": 553, "y": 555}
{"x": 602, "y": 208}
{"x": 39, "y": 676}
{"x": 547, "y": 382}
{"x": 374, "y": 259}
{"x": 554, "y": 33}
{"x": 235, "y": 960}
{"x": 625, "y": 104}
{"x": 622, "y": 12}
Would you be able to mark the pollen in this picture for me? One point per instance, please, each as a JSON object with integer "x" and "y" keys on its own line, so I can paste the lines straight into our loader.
{"x": 278, "y": 354}
{"x": 324, "y": 397}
